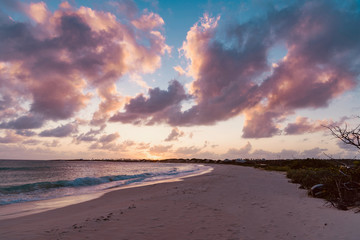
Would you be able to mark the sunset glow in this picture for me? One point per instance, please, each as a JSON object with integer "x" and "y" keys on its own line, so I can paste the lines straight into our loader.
{"x": 163, "y": 79}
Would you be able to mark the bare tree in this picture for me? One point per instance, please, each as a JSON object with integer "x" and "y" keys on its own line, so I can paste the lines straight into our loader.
{"x": 346, "y": 135}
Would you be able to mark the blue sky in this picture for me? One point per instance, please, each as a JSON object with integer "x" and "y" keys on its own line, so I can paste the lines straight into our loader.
{"x": 160, "y": 79}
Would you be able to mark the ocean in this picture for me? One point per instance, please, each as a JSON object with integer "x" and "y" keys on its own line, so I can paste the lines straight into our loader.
{"x": 29, "y": 180}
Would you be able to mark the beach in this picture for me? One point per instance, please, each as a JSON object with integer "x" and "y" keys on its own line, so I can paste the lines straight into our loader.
{"x": 231, "y": 202}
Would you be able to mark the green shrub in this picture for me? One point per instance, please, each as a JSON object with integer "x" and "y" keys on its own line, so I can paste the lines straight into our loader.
{"x": 308, "y": 177}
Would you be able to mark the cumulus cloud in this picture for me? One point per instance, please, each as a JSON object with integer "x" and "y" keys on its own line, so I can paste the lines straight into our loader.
{"x": 232, "y": 73}
{"x": 148, "y": 21}
{"x": 174, "y": 135}
{"x": 155, "y": 107}
{"x": 51, "y": 61}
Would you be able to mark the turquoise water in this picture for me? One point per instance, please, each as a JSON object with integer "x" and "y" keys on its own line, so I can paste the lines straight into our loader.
{"x": 28, "y": 180}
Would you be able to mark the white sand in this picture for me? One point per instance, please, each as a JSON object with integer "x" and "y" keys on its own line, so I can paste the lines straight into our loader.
{"x": 232, "y": 202}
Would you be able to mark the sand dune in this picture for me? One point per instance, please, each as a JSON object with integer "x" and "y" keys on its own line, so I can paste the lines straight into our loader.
{"x": 232, "y": 202}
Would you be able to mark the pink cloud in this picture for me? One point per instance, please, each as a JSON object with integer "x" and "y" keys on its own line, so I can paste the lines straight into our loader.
{"x": 53, "y": 144}
{"x": 174, "y": 135}
{"x": 305, "y": 125}
{"x": 107, "y": 142}
{"x": 179, "y": 70}
{"x": 89, "y": 136}
{"x": 243, "y": 152}
{"x": 10, "y": 137}
{"x": 38, "y": 12}
{"x": 187, "y": 151}
{"x": 50, "y": 63}
{"x": 232, "y": 73}
{"x": 61, "y": 131}
{"x": 148, "y": 21}
{"x": 153, "y": 108}
{"x": 111, "y": 101}
{"x": 160, "y": 149}
{"x": 109, "y": 138}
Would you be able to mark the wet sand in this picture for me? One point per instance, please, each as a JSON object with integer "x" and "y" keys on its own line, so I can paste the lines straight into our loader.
{"x": 232, "y": 202}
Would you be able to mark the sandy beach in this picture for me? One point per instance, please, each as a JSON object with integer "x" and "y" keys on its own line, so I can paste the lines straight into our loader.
{"x": 231, "y": 202}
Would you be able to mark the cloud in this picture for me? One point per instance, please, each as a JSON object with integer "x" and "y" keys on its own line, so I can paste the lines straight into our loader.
{"x": 126, "y": 8}
{"x": 107, "y": 142}
{"x": 179, "y": 70}
{"x": 53, "y": 144}
{"x": 148, "y": 21}
{"x": 24, "y": 122}
{"x": 243, "y": 152}
{"x": 61, "y": 131}
{"x": 154, "y": 108}
{"x": 10, "y": 137}
{"x": 174, "y": 135}
{"x": 89, "y": 136}
{"x": 247, "y": 151}
{"x": 143, "y": 146}
{"x": 303, "y": 125}
{"x": 346, "y": 147}
{"x": 38, "y": 12}
{"x": 259, "y": 124}
{"x": 233, "y": 73}
{"x": 109, "y": 138}
{"x": 12, "y": 4}
{"x": 25, "y": 133}
{"x": 31, "y": 142}
{"x": 314, "y": 153}
{"x": 160, "y": 150}
{"x": 187, "y": 151}
{"x": 46, "y": 66}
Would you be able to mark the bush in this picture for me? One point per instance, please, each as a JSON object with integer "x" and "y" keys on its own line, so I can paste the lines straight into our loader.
{"x": 308, "y": 177}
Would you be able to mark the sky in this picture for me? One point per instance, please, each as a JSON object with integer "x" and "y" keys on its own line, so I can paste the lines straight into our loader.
{"x": 160, "y": 79}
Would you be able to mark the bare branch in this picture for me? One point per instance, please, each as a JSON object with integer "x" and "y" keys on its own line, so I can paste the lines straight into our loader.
{"x": 347, "y": 136}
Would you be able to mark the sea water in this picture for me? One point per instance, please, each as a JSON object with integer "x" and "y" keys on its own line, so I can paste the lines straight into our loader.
{"x": 28, "y": 180}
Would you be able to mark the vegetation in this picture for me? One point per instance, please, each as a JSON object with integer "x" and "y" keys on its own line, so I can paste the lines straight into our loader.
{"x": 337, "y": 180}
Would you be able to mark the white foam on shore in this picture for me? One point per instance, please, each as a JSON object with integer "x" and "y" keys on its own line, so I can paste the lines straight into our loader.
{"x": 27, "y": 208}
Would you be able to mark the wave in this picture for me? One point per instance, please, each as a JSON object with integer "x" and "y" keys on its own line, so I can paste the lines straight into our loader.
{"x": 79, "y": 182}
{"x": 22, "y": 168}
{"x": 58, "y": 188}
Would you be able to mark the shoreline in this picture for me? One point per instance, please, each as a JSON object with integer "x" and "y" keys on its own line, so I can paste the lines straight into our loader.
{"x": 231, "y": 202}
{"x": 21, "y": 209}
